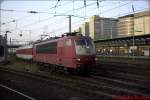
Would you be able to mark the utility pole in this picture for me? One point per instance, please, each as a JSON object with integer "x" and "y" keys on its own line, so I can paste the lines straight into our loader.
{"x": 69, "y": 16}
{"x": 133, "y": 44}
{"x": 69, "y": 23}
{"x": 6, "y": 47}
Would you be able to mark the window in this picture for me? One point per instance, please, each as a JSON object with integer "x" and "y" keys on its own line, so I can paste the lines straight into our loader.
{"x": 84, "y": 46}
{"x": 47, "y": 48}
{"x": 68, "y": 42}
{"x": 80, "y": 42}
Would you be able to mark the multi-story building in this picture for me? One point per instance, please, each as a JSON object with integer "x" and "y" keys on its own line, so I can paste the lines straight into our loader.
{"x": 101, "y": 28}
{"x": 134, "y": 24}
{"x": 142, "y": 23}
{"x": 125, "y": 25}
{"x": 85, "y": 29}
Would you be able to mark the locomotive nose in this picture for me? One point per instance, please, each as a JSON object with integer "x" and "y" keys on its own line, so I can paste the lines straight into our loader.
{"x": 78, "y": 59}
{"x": 86, "y": 59}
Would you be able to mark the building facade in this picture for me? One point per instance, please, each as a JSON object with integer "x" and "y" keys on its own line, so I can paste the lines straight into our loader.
{"x": 134, "y": 24}
{"x": 125, "y": 26}
{"x": 85, "y": 29}
{"x": 102, "y": 28}
{"x": 142, "y": 23}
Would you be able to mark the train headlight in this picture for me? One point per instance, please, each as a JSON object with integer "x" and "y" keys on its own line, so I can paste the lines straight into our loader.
{"x": 78, "y": 59}
{"x": 96, "y": 59}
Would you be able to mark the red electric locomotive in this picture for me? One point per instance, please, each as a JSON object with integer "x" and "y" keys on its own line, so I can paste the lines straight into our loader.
{"x": 73, "y": 52}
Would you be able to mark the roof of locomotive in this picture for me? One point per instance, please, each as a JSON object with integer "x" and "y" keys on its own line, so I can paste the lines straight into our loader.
{"x": 61, "y": 38}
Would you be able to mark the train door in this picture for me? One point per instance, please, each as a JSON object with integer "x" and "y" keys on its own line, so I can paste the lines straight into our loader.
{"x": 59, "y": 54}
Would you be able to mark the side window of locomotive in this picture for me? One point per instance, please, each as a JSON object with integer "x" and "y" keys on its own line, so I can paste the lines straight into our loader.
{"x": 68, "y": 42}
{"x": 47, "y": 48}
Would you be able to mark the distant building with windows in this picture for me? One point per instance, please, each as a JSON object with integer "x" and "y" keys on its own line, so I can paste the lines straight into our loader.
{"x": 102, "y": 28}
{"x": 125, "y": 25}
{"x": 85, "y": 29}
{"x": 134, "y": 24}
{"x": 142, "y": 23}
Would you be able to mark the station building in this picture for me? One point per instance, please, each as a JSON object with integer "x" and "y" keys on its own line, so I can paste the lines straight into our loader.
{"x": 138, "y": 45}
{"x": 125, "y": 25}
{"x": 134, "y": 24}
{"x": 133, "y": 36}
{"x": 142, "y": 23}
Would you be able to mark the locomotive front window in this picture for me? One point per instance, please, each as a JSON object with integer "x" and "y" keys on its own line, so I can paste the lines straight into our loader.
{"x": 84, "y": 46}
{"x": 89, "y": 43}
{"x": 81, "y": 42}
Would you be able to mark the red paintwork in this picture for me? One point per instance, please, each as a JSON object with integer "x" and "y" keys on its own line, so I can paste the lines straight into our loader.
{"x": 27, "y": 51}
{"x": 66, "y": 56}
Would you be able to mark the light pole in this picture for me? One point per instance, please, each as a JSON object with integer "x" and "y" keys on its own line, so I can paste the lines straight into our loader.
{"x": 69, "y": 23}
{"x": 133, "y": 42}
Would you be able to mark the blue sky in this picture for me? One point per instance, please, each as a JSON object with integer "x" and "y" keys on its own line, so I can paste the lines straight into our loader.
{"x": 33, "y": 25}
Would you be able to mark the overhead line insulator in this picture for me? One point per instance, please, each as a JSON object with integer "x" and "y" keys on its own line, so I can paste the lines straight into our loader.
{"x": 84, "y": 3}
{"x": 33, "y": 12}
{"x": 97, "y": 3}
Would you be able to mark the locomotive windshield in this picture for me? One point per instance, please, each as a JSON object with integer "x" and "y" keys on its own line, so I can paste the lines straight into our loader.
{"x": 85, "y": 46}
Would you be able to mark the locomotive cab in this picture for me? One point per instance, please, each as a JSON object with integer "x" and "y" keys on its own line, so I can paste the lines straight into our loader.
{"x": 85, "y": 53}
{"x": 84, "y": 46}
{"x": 78, "y": 52}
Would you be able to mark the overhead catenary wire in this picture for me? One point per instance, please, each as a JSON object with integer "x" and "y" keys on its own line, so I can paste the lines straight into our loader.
{"x": 10, "y": 10}
{"x": 58, "y": 29}
{"x": 76, "y": 10}
{"x": 52, "y": 17}
{"x": 31, "y": 12}
{"x": 39, "y": 20}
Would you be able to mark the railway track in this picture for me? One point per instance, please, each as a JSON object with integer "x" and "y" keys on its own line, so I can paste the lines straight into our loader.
{"x": 130, "y": 77}
{"x": 102, "y": 87}
{"x": 143, "y": 70}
